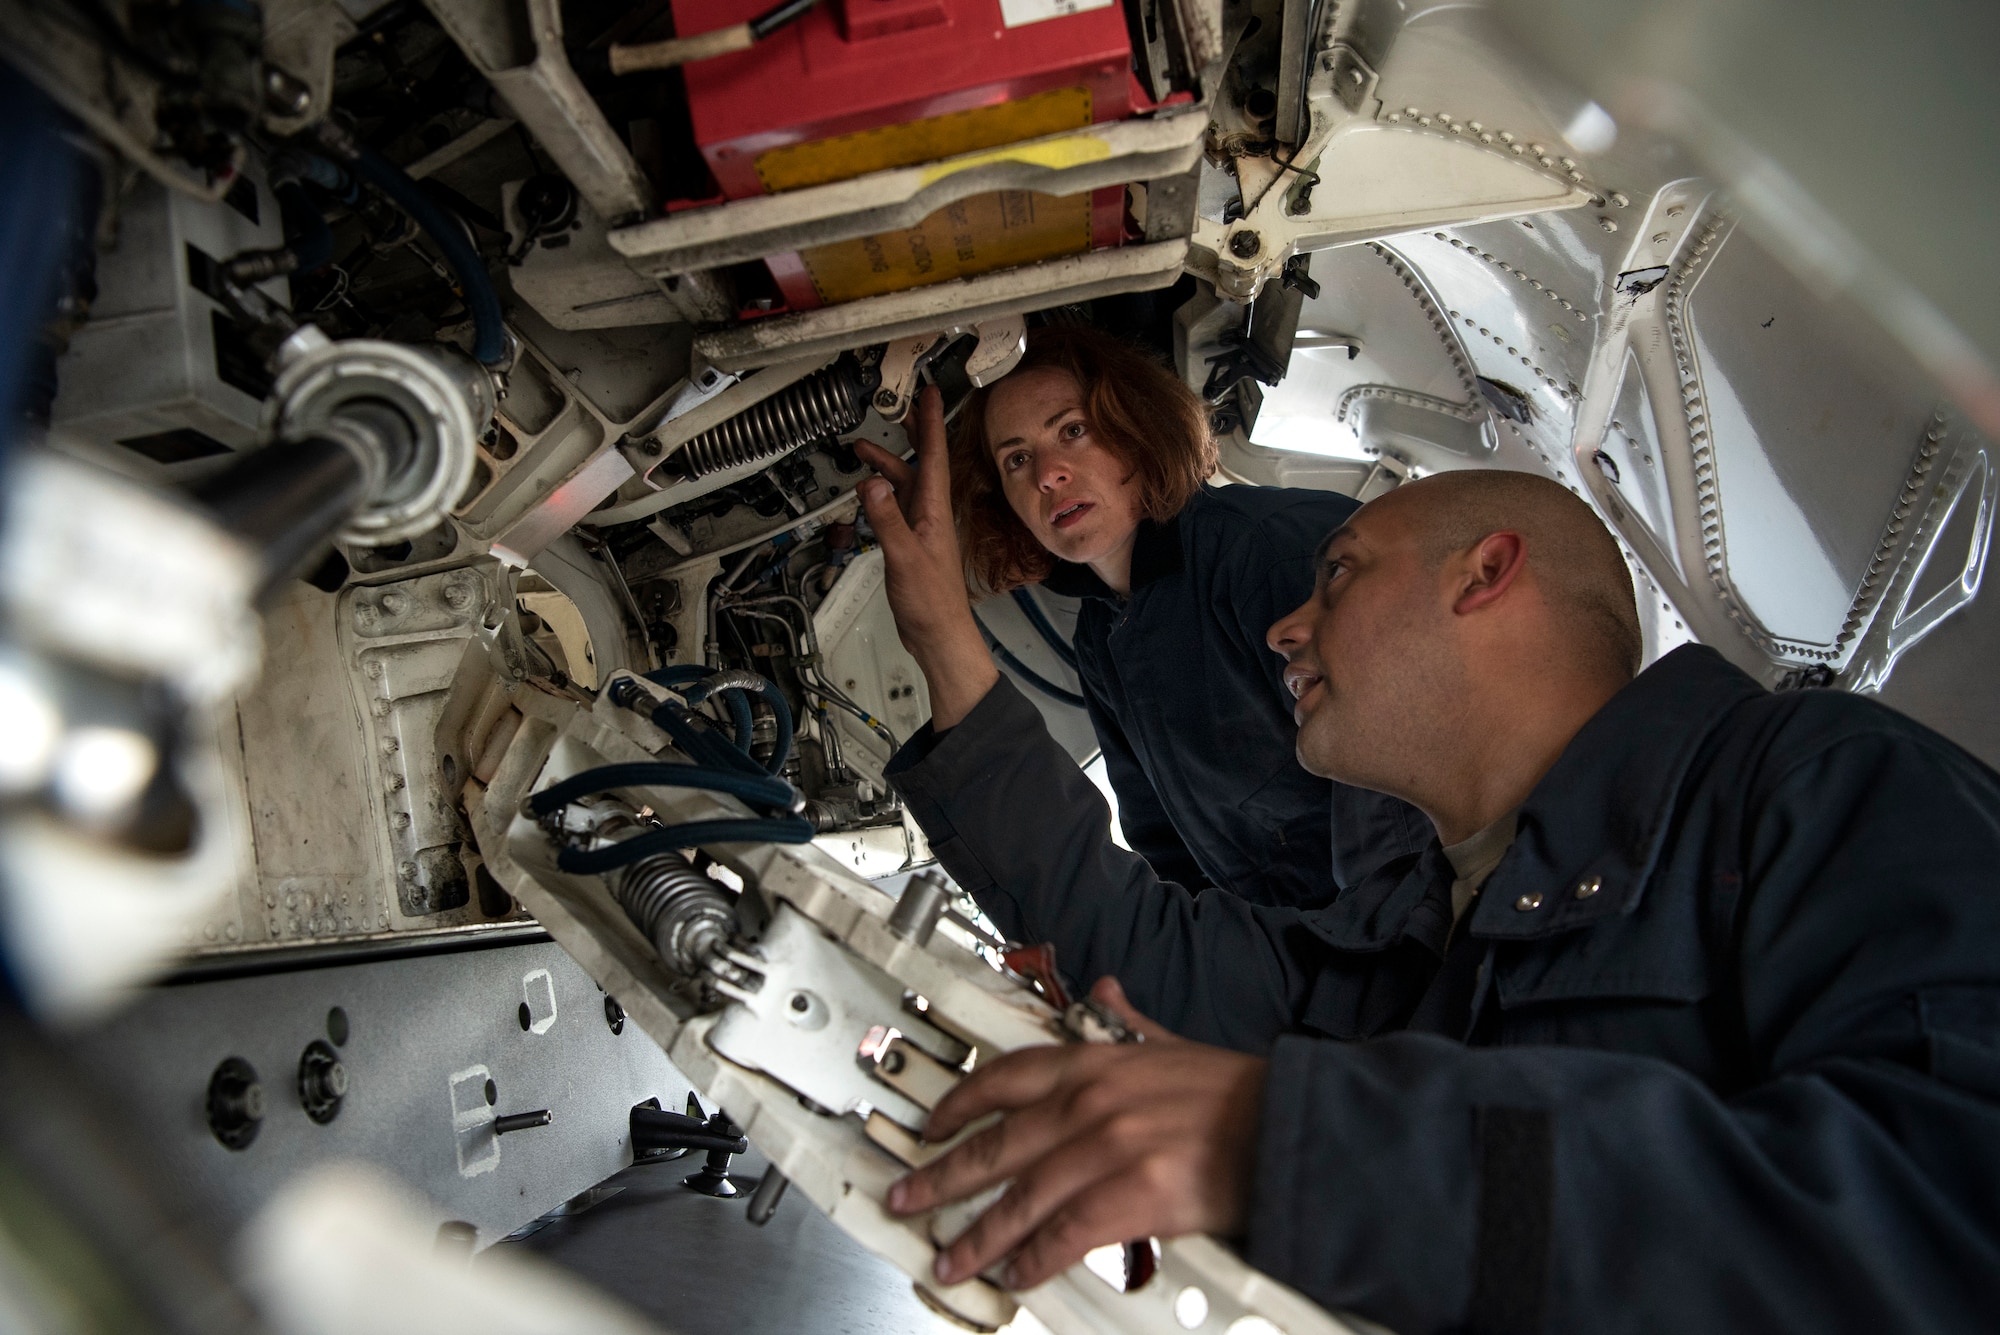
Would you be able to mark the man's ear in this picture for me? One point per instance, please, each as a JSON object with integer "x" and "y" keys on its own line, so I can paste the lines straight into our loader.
{"x": 1489, "y": 569}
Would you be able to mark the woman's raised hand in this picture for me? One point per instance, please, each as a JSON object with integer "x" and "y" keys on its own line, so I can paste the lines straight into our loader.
{"x": 910, "y": 509}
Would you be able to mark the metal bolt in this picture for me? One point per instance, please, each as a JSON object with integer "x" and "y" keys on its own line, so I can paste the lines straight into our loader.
{"x": 885, "y": 399}
{"x": 1607, "y": 224}
{"x": 1589, "y": 886}
{"x": 394, "y": 604}
{"x": 1529, "y": 902}
{"x": 284, "y": 94}
{"x": 1245, "y": 244}
{"x": 457, "y": 597}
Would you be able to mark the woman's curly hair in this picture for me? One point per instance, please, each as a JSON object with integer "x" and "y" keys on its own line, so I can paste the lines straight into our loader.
{"x": 1137, "y": 408}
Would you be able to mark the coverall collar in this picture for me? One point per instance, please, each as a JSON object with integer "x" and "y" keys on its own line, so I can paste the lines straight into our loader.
{"x": 1156, "y": 552}
{"x": 1592, "y": 830}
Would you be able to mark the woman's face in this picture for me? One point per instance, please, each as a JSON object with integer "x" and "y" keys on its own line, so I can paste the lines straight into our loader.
{"x": 1079, "y": 499}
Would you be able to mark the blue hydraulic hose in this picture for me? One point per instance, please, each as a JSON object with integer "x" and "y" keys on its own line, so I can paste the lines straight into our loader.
{"x": 772, "y": 697}
{"x": 489, "y": 341}
{"x": 706, "y": 748}
{"x": 761, "y": 790}
{"x": 1045, "y": 628}
{"x": 1023, "y": 671}
{"x": 771, "y": 830}
{"x": 739, "y": 715}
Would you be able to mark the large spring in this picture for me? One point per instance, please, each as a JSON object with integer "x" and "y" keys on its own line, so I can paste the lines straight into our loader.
{"x": 824, "y": 404}
{"x": 686, "y": 915}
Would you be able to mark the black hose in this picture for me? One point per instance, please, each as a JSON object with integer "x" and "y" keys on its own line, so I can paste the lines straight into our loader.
{"x": 489, "y": 341}
{"x": 761, "y": 791}
{"x": 1023, "y": 671}
{"x": 306, "y": 232}
{"x": 1045, "y": 628}
{"x": 769, "y": 830}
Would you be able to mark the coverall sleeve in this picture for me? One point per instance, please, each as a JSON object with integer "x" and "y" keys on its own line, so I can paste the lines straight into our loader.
{"x": 1018, "y": 825}
{"x": 1850, "y": 1181}
{"x": 1142, "y": 817}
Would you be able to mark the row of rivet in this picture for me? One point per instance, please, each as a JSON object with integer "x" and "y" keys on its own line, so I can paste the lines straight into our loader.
{"x": 1872, "y": 583}
{"x": 1708, "y": 498}
{"x": 1507, "y": 268}
{"x": 1467, "y": 381}
{"x": 1500, "y": 141}
{"x": 1560, "y": 392}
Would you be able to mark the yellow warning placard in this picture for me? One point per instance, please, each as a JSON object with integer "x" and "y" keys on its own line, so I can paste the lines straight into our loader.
{"x": 974, "y": 235}
{"x": 796, "y": 166}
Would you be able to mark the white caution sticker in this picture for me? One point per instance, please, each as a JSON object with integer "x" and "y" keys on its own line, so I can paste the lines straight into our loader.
{"x": 1020, "y": 13}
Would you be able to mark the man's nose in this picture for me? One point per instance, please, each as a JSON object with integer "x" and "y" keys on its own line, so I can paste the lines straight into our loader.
{"x": 1292, "y": 631}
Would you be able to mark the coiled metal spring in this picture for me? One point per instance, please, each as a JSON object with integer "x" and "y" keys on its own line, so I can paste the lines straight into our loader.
{"x": 824, "y": 404}
{"x": 686, "y": 915}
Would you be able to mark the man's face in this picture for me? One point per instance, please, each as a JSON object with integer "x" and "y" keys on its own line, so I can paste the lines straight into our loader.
{"x": 1369, "y": 656}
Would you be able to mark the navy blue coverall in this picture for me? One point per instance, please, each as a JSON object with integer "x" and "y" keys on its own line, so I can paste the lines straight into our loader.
{"x": 1190, "y": 705}
{"x": 1717, "y": 1048}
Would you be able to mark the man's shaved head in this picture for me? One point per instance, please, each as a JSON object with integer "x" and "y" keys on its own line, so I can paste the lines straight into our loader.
{"x": 1461, "y": 629}
{"x": 1576, "y": 561}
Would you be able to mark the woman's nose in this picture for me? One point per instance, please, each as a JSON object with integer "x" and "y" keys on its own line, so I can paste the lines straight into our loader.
{"x": 1051, "y": 473}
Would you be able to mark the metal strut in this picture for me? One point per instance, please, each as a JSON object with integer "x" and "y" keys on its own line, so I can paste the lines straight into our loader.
{"x": 824, "y": 404}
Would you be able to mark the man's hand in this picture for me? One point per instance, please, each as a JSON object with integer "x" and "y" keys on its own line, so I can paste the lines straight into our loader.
{"x": 1103, "y": 1142}
{"x": 911, "y": 511}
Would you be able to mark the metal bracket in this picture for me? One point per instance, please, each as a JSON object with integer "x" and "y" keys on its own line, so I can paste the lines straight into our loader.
{"x": 1898, "y": 628}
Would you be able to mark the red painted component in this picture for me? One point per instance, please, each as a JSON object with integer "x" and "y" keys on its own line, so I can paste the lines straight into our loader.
{"x": 853, "y": 65}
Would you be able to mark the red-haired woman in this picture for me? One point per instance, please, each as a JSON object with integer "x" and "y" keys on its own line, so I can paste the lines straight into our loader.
{"x": 1086, "y": 470}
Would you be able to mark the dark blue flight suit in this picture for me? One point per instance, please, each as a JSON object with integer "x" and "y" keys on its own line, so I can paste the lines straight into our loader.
{"x": 1716, "y": 1049}
{"x": 1190, "y": 705}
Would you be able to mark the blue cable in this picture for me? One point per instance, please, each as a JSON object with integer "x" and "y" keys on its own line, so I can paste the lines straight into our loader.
{"x": 1023, "y": 671}
{"x": 772, "y": 697}
{"x": 761, "y": 790}
{"x": 489, "y": 342}
{"x": 705, "y": 748}
{"x": 769, "y": 830}
{"x": 1045, "y": 628}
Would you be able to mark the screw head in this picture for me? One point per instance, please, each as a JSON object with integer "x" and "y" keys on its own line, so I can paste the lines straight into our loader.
{"x": 1245, "y": 244}
{"x": 885, "y": 398}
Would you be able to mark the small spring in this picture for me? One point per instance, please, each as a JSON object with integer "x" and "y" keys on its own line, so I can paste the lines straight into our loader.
{"x": 824, "y": 404}
{"x": 686, "y": 915}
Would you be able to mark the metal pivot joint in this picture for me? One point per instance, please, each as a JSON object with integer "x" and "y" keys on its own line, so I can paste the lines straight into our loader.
{"x": 924, "y": 900}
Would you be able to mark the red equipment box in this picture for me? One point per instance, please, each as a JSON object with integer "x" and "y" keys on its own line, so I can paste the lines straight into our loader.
{"x": 858, "y": 86}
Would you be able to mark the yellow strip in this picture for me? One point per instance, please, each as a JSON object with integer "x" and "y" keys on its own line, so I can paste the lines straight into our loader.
{"x": 1071, "y": 151}
{"x": 796, "y": 166}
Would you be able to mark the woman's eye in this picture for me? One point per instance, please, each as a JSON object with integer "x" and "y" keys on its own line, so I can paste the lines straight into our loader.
{"x": 1072, "y": 430}
{"x": 1016, "y": 460}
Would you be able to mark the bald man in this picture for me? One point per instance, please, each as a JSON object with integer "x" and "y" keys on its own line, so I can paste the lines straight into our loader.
{"x": 1690, "y": 1020}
